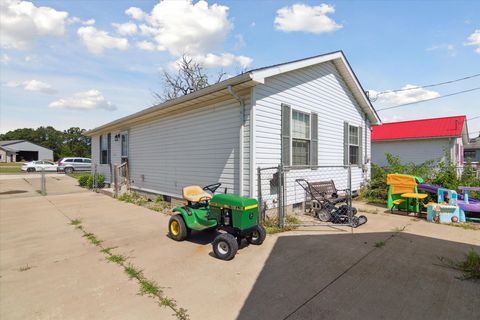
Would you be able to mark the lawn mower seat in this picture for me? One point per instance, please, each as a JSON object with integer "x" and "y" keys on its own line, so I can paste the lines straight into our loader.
{"x": 195, "y": 194}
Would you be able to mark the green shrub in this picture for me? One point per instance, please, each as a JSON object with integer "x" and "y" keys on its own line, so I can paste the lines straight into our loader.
{"x": 83, "y": 180}
{"x": 86, "y": 180}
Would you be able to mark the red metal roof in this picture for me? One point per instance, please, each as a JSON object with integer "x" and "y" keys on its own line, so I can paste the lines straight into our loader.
{"x": 416, "y": 129}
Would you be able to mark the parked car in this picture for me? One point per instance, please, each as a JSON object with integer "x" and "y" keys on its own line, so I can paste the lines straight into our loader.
{"x": 69, "y": 165}
{"x": 39, "y": 165}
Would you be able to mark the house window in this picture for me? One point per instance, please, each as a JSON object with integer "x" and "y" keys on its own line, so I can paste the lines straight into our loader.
{"x": 104, "y": 149}
{"x": 469, "y": 155}
{"x": 300, "y": 138}
{"x": 353, "y": 145}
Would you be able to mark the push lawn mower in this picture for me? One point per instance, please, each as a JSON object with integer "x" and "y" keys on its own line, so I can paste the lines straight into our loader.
{"x": 327, "y": 210}
{"x": 237, "y": 216}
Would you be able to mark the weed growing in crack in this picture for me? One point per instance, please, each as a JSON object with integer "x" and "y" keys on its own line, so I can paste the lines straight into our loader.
{"x": 117, "y": 258}
{"x": 470, "y": 266}
{"x": 379, "y": 244}
{"x": 108, "y": 250}
{"x": 93, "y": 239}
{"x": 149, "y": 288}
{"x": 133, "y": 272}
{"x": 25, "y": 268}
{"x": 75, "y": 222}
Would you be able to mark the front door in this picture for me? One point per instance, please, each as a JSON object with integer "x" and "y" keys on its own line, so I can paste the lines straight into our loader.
{"x": 124, "y": 147}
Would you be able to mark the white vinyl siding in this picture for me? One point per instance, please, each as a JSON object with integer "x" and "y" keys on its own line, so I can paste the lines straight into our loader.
{"x": 318, "y": 89}
{"x": 198, "y": 147}
{"x": 414, "y": 150}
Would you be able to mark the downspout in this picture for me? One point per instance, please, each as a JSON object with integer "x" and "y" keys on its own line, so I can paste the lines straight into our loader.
{"x": 242, "y": 129}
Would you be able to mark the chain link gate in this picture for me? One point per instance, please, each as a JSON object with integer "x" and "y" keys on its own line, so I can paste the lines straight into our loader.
{"x": 317, "y": 196}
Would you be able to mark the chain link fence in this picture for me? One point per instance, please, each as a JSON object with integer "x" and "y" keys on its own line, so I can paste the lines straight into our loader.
{"x": 315, "y": 196}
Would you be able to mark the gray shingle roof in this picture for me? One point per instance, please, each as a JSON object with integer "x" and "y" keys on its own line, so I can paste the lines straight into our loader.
{"x": 7, "y": 142}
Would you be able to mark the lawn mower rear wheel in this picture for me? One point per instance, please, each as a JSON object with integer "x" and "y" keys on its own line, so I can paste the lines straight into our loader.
{"x": 177, "y": 230}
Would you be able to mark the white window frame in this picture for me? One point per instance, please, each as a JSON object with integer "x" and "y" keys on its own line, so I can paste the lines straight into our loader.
{"x": 357, "y": 145}
{"x": 308, "y": 155}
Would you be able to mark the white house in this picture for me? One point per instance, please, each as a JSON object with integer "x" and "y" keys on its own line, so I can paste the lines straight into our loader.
{"x": 23, "y": 150}
{"x": 417, "y": 141}
{"x": 303, "y": 113}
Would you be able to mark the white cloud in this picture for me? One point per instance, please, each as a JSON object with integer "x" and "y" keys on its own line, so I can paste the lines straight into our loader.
{"x": 184, "y": 27}
{"x": 448, "y": 48}
{"x": 31, "y": 85}
{"x": 97, "y": 41}
{"x": 239, "y": 42}
{"x": 223, "y": 60}
{"x": 474, "y": 40}
{"x": 21, "y": 22}
{"x": 146, "y": 45}
{"x": 36, "y": 85}
{"x": 301, "y": 17}
{"x": 135, "y": 13}
{"x": 89, "y": 22}
{"x": 125, "y": 29}
{"x": 5, "y": 59}
{"x": 88, "y": 100}
{"x": 413, "y": 94}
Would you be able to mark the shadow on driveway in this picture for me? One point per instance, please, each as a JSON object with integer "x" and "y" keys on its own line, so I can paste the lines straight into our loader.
{"x": 344, "y": 276}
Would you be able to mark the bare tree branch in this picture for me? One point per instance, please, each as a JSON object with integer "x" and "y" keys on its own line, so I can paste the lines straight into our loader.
{"x": 190, "y": 77}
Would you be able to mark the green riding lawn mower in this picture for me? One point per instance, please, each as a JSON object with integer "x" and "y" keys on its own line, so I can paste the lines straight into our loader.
{"x": 236, "y": 216}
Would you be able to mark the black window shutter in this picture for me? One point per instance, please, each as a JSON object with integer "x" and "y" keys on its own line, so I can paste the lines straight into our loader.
{"x": 346, "y": 160}
{"x": 285, "y": 135}
{"x": 314, "y": 140}
{"x": 109, "y": 148}
{"x": 360, "y": 147}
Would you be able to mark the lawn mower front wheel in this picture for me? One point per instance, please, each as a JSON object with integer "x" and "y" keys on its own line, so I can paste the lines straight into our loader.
{"x": 258, "y": 236}
{"x": 177, "y": 229}
{"x": 225, "y": 246}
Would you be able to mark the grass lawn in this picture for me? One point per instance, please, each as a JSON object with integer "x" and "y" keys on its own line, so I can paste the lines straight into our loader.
{"x": 9, "y": 170}
{"x": 77, "y": 175}
{"x": 11, "y": 164}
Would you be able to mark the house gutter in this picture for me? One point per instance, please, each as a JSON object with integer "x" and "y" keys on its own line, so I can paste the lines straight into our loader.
{"x": 242, "y": 129}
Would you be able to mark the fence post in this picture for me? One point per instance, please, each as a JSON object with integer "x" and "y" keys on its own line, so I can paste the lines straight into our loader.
{"x": 115, "y": 179}
{"x": 349, "y": 198}
{"x": 259, "y": 195}
{"x": 280, "y": 196}
{"x": 43, "y": 185}
{"x": 95, "y": 177}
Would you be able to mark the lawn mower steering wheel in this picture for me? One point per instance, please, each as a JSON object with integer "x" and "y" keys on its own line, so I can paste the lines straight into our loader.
{"x": 212, "y": 187}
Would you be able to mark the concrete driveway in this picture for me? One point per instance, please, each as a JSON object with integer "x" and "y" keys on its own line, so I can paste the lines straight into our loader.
{"x": 326, "y": 273}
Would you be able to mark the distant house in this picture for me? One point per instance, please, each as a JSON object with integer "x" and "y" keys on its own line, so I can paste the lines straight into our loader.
{"x": 23, "y": 150}
{"x": 420, "y": 140}
{"x": 472, "y": 151}
{"x": 305, "y": 113}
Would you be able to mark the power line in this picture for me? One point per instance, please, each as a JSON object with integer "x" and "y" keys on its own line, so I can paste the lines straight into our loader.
{"x": 426, "y": 86}
{"x": 425, "y": 100}
{"x": 473, "y": 118}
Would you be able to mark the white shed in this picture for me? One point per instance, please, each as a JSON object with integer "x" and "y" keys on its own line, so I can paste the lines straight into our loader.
{"x": 222, "y": 133}
{"x": 418, "y": 141}
{"x": 23, "y": 150}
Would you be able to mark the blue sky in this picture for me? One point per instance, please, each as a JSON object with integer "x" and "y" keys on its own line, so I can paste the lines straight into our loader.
{"x": 84, "y": 63}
